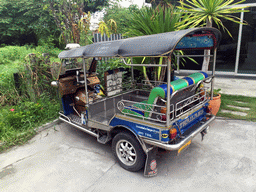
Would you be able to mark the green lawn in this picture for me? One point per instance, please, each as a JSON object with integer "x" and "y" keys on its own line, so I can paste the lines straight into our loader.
{"x": 228, "y": 101}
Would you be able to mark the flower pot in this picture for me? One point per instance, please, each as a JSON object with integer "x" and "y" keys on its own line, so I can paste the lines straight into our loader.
{"x": 214, "y": 104}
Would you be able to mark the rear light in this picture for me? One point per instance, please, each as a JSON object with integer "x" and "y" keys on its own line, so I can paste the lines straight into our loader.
{"x": 202, "y": 92}
{"x": 163, "y": 110}
{"x": 172, "y": 133}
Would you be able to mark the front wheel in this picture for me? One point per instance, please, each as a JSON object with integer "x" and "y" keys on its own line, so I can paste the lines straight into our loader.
{"x": 128, "y": 152}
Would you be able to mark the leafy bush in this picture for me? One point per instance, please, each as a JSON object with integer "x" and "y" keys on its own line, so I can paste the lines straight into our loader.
{"x": 53, "y": 52}
{"x": 18, "y": 114}
{"x": 8, "y": 92}
{"x": 37, "y": 77}
{"x": 9, "y": 54}
{"x": 13, "y": 58}
{"x": 29, "y": 113}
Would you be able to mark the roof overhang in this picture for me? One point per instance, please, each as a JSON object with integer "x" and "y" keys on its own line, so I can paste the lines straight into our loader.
{"x": 156, "y": 45}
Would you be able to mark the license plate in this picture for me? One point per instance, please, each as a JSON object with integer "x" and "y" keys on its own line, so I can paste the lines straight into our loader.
{"x": 184, "y": 146}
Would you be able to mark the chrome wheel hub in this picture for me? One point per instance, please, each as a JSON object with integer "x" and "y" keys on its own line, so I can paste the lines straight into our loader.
{"x": 126, "y": 152}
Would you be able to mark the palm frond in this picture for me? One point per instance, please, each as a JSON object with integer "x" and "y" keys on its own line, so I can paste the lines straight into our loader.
{"x": 212, "y": 10}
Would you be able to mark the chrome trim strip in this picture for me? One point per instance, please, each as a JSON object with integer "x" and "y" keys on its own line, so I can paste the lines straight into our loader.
{"x": 79, "y": 127}
{"x": 173, "y": 147}
{"x": 146, "y": 123}
{"x": 69, "y": 120}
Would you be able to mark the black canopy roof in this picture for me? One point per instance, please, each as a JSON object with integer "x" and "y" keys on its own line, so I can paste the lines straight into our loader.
{"x": 150, "y": 45}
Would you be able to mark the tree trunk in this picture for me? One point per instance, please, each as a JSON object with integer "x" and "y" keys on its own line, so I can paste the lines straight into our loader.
{"x": 207, "y": 52}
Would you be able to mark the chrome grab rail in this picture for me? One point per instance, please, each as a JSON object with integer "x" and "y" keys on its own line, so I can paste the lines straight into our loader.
{"x": 192, "y": 99}
{"x": 176, "y": 110}
{"x": 127, "y": 104}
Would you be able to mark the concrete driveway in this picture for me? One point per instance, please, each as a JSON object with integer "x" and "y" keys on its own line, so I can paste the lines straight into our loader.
{"x": 62, "y": 158}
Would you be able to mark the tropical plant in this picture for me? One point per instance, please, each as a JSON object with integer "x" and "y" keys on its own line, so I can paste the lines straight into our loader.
{"x": 205, "y": 12}
{"x": 120, "y": 15}
{"x": 148, "y": 21}
{"x": 108, "y": 27}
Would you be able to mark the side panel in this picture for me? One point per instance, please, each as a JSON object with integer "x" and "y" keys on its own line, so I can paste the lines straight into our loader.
{"x": 139, "y": 129}
{"x": 190, "y": 119}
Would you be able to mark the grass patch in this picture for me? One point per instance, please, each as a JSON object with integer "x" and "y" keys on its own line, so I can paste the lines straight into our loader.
{"x": 249, "y": 102}
{"x": 9, "y": 54}
{"x": 17, "y": 122}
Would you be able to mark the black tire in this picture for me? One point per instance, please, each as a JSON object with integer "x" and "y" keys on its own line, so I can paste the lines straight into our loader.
{"x": 128, "y": 152}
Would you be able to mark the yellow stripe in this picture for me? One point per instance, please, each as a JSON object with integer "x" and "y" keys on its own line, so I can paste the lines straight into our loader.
{"x": 193, "y": 80}
{"x": 186, "y": 82}
{"x": 184, "y": 146}
{"x": 202, "y": 74}
{"x": 172, "y": 88}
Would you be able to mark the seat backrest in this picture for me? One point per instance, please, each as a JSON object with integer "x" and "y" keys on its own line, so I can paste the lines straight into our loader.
{"x": 161, "y": 90}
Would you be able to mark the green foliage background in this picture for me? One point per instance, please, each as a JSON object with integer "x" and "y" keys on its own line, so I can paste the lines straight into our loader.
{"x": 19, "y": 112}
{"x": 122, "y": 16}
{"x": 25, "y": 22}
{"x": 29, "y": 21}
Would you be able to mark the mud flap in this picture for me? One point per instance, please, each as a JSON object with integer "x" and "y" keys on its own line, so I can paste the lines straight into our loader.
{"x": 150, "y": 169}
{"x": 204, "y": 132}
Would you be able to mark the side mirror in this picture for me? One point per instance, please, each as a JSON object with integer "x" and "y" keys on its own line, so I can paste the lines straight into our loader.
{"x": 77, "y": 76}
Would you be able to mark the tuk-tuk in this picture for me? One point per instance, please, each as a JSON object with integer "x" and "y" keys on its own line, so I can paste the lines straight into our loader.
{"x": 136, "y": 118}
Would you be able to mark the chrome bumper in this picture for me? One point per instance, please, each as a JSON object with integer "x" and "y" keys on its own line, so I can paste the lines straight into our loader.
{"x": 174, "y": 147}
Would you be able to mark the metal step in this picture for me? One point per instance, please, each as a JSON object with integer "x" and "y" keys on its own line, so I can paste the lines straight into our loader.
{"x": 103, "y": 139}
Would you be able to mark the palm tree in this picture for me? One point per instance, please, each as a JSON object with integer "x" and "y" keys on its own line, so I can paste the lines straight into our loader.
{"x": 148, "y": 21}
{"x": 205, "y": 12}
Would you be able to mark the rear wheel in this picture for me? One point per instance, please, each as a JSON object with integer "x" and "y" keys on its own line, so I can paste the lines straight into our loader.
{"x": 128, "y": 152}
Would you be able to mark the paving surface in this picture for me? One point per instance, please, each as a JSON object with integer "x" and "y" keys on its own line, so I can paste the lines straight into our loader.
{"x": 62, "y": 158}
{"x": 234, "y": 112}
{"x": 235, "y": 86}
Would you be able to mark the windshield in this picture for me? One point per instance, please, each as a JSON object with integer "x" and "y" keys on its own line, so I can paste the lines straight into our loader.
{"x": 73, "y": 63}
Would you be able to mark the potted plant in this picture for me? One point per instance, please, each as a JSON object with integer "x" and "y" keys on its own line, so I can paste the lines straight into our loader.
{"x": 214, "y": 104}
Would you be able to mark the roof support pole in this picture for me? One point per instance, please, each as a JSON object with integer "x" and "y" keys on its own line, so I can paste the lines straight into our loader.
{"x": 169, "y": 68}
{"x": 85, "y": 83}
{"x": 213, "y": 71}
{"x": 132, "y": 71}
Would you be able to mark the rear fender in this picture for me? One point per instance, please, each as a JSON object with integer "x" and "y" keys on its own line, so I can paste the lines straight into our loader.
{"x": 122, "y": 128}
